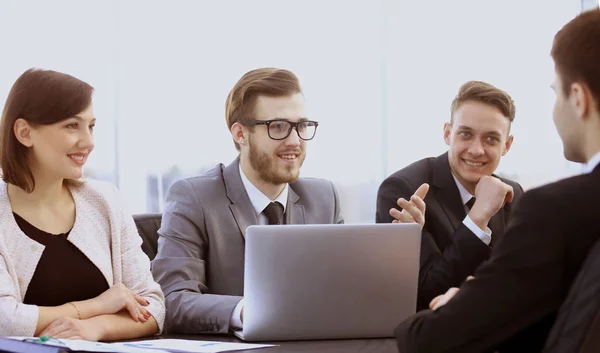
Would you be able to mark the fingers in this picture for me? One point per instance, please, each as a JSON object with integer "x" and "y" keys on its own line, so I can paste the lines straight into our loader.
{"x": 69, "y": 333}
{"x": 422, "y": 190}
{"x": 413, "y": 211}
{"x": 141, "y": 303}
{"x": 445, "y": 298}
{"x": 55, "y": 328}
{"x": 470, "y": 278}
{"x": 134, "y": 304}
{"x": 434, "y": 301}
{"x": 401, "y": 217}
{"x": 416, "y": 208}
{"x": 510, "y": 195}
{"x": 140, "y": 300}
{"x": 143, "y": 313}
{"x": 419, "y": 203}
{"x": 133, "y": 309}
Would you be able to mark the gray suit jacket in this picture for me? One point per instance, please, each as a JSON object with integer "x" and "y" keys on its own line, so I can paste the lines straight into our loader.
{"x": 200, "y": 260}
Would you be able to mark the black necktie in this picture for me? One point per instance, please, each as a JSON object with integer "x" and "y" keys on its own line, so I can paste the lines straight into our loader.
{"x": 274, "y": 213}
{"x": 470, "y": 203}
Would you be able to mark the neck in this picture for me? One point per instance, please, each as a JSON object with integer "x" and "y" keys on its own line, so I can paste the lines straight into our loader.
{"x": 270, "y": 190}
{"x": 592, "y": 138}
{"x": 46, "y": 192}
{"x": 470, "y": 187}
{"x": 592, "y": 147}
{"x": 591, "y": 152}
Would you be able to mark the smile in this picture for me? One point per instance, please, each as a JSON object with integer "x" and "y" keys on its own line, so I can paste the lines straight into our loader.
{"x": 78, "y": 158}
{"x": 289, "y": 157}
{"x": 474, "y": 164}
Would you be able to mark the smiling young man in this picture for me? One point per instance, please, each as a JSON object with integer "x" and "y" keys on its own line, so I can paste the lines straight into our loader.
{"x": 466, "y": 206}
{"x": 200, "y": 260}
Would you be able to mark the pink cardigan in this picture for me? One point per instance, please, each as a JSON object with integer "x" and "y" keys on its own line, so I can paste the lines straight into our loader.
{"x": 103, "y": 231}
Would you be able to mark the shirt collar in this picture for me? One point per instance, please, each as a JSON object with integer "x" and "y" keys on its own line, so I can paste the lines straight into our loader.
{"x": 592, "y": 163}
{"x": 259, "y": 200}
{"x": 465, "y": 196}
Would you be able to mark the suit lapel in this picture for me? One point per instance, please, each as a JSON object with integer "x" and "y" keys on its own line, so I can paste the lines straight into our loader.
{"x": 446, "y": 191}
{"x": 294, "y": 212}
{"x": 241, "y": 207}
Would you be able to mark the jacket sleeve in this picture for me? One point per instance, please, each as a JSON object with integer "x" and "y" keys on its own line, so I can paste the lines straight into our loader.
{"x": 180, "y": 267}
{"x": 16, "y": 318}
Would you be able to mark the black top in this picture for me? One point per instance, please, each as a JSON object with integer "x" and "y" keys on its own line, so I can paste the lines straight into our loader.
{"x": 63, "y": 274}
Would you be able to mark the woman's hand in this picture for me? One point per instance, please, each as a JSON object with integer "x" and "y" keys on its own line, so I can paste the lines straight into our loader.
{"x": 118, "y": 298}
{"x": 69, "y": 328}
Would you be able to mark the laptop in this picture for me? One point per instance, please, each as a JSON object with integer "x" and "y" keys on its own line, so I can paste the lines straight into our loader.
{"x": 334, "y": 281}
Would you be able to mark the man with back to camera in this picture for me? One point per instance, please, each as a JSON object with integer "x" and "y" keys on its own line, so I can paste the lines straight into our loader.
{"x": 467, "y": 206}
{"x": 200, "y": 260}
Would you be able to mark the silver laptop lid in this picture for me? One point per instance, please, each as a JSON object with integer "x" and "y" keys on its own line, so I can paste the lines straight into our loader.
{"x": 329, "y": 281}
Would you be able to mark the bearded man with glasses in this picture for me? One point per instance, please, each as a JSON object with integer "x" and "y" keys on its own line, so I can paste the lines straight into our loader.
{"x": 200, "y": 260}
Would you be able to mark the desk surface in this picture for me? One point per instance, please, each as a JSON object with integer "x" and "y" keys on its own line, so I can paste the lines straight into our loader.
{"x": 383, "y": 345}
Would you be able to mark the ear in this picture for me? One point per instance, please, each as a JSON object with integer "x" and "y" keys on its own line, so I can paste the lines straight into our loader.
{"x": 447, "y": 132}
{"x": 580, "y": 98}
{"x": 22, "y": 131}
{"x": 239, "y": 133}
{"x": 507, "y": 144}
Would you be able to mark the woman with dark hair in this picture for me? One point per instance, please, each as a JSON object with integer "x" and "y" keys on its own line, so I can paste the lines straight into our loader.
{"x": 71, "y": 265}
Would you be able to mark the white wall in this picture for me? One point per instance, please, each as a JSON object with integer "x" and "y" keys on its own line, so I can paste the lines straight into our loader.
{"x": 379, "y": 76}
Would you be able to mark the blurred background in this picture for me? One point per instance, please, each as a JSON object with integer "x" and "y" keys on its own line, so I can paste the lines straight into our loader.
{"x": 378, "y": 75}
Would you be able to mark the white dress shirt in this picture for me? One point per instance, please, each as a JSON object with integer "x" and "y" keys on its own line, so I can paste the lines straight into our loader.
{"x": 465, "y": 196}
{"x": 592, "y": 163}
{"x": 259, "y": 201}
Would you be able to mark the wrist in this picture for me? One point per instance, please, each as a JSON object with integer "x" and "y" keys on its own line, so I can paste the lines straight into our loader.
{"x": 87, "y": 308}
{"x": 480, "y": 220}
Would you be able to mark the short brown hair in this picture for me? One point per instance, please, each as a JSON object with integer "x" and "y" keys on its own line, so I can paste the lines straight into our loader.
{"x": 41, "y": 97}
{"x": 576, "y": 53}
{"x": 270, "y": 82}
{"x": 483, "y": 92}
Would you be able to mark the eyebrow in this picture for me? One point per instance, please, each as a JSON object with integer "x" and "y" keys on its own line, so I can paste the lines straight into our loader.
{"x": 299, "y": 119}
{"x": 466, "y": 128}
{"x": 82, "y": 119}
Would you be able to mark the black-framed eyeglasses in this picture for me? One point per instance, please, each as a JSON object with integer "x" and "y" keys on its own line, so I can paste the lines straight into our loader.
{"x": 280, "y": 129}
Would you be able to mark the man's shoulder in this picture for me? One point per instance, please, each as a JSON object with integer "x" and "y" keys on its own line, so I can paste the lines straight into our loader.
{"x": 567, "y": 190}
{"x": 308, "y": 185}
{"x": 208, "y": 178}
{"x": 510, "y": 182}
{"x": 208, "y": 183}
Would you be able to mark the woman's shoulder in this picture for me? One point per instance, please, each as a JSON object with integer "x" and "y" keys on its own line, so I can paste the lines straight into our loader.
{"x": 96, "y": 191}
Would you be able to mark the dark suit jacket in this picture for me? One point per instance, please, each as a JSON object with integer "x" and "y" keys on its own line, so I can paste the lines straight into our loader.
{"x": 449, "y": 250}
{"x": 512, "y": 303}
{"x": 200, "y": 259}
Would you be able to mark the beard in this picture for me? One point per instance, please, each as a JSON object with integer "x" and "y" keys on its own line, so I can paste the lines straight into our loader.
{"x": 267, "y": 169}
